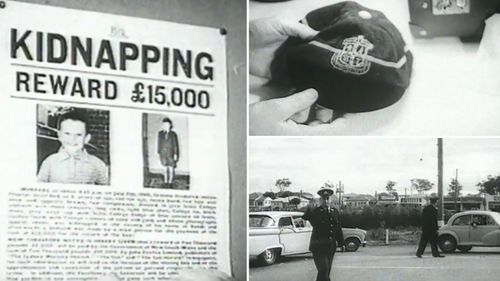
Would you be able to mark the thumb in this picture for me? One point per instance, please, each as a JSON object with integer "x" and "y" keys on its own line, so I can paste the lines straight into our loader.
{"x": 300, "y": 30}
{"x": 288, "y": 106}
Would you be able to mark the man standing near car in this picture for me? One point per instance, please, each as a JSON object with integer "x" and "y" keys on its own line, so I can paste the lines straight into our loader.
{"x": 429, "y": 229}
{"x": 326, "y": 234}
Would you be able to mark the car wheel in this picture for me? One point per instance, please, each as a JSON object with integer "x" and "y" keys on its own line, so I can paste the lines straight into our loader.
{"x": 269, "y": 256}
{"x": 447, "y": 244}
{"x": 351, "y": 244}
{"x": 464, "y": 249}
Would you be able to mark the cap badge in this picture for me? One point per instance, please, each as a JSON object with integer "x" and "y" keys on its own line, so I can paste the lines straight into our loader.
{"x": 353, "y": 57}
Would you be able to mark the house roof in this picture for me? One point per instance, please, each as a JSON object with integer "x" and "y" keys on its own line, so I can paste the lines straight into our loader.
{"x": 359, "y": 197}
{"x": 262, "y": 198}
{"x": 254, "y": 195}
{"x": 297, "y": 197}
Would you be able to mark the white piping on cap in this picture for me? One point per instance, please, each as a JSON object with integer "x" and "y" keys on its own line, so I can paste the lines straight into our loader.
{"x": 304, "y": 21}
{"x": 375, "y": 60}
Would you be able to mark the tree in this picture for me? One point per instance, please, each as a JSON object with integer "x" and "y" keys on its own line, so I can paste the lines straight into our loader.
{"x": 270, "y": 194}
{"x": 390, "y": 186}
{"x": 421, "y": 185}
{"x": 490, "y": 186}
{"x": 283, "y": 194}
{"x": 454, "y": 186}
{"x": 283, "y": 184}
{"x": 295, "y": 201}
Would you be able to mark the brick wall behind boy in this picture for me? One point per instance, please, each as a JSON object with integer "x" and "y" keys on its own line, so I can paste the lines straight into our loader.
{"x": 99, "y": 130}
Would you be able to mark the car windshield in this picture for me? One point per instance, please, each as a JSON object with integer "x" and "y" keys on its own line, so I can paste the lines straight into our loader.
{"x": 260, "y": 221}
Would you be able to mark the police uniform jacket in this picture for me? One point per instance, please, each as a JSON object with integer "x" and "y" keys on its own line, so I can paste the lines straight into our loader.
{"x": 326, "y": 228}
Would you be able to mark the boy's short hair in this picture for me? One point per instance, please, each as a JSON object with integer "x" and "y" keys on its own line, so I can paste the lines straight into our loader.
{"x": 75, "y": 116}
{"x": 167, "y": 120}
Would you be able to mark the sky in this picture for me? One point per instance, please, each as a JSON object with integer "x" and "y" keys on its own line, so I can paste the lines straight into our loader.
{"x": 364, "y": 165}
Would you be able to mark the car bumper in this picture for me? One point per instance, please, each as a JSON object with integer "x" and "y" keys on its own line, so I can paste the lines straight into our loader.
{"x": 364, "y": 243}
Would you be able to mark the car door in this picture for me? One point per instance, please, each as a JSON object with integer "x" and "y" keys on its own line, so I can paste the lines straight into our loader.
{"x": 303, "y": 234}
{"x": 461, "y": 226}
{"x": 484, "y": 230}
{"x": 291, "y": 237}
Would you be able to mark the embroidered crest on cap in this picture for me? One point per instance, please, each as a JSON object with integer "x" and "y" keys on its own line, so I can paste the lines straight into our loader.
{"x": 353, "y": 57}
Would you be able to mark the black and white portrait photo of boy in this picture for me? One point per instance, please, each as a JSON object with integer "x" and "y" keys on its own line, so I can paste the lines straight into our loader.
{"x": 68, "y": 153}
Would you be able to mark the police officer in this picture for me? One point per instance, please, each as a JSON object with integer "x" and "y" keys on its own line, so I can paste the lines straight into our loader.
{"x": 326, "y": 235}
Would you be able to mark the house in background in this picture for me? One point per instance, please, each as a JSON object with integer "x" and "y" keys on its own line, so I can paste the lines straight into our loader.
{"x": 263, "y": 202}
{"x": 279, "y": 204}
{"x": 387, "y": 199}
{"x": 413, "y": 201}
{"x": 465, "y": 203}
{"x": 493, "y": 202}
{"x": 357, "y": 201}
{"x": 258, "y": 202}
{"x": 252, "y": 197}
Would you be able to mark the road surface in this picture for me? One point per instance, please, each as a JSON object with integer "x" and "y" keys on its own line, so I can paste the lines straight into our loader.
{"x": 388, "y": 263}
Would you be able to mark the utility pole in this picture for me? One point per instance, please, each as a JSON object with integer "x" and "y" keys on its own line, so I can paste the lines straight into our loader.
{"x": 456, "y": 190}
{"x": 440, "y": 182}
{"x": 340, "y": 190}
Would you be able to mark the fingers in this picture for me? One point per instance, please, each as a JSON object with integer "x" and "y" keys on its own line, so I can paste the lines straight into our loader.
{"x": 324, "y": 114}
{"x": 297, "y": 29}
{"x": 338, "y": 127}
{"x": 268, "y": 30}
{"x": 302, "y": 116}
{"x": 286, "y": 107}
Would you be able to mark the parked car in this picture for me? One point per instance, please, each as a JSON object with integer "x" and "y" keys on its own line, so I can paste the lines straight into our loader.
{"x": 275, "y": 234}
{"x": 470, "y": 229}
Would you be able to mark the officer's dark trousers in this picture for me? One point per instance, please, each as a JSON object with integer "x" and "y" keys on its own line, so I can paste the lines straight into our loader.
{"x": 323, "y": 260}
{"x": 424, "y": 239}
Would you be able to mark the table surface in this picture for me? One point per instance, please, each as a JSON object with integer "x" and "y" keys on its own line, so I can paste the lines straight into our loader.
{"x": 450, "y": 94}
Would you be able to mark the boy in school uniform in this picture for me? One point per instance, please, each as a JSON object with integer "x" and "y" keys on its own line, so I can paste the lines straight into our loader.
{"x": 72, "y": 163}
{"x": 168, "y": 150}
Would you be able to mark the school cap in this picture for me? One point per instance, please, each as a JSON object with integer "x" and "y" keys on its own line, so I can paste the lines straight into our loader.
{"x": 325, "y": 192}
{"x": 357, "y": 62}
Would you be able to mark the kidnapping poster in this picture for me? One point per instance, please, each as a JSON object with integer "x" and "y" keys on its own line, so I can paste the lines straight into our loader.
{"x": 106, "y": 123}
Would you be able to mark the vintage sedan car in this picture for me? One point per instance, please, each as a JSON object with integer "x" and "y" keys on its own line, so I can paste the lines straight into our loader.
{"x": 275, "y": 234}
{"x": 469, "y": 229}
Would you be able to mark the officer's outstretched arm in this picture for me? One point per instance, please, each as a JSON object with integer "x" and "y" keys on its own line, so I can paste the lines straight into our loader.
{"x": 308, "y": 214}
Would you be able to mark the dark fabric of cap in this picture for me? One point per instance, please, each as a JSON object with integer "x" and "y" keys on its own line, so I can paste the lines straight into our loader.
{"x": 358, "y": 62}
{"x": 325, "y": 192}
